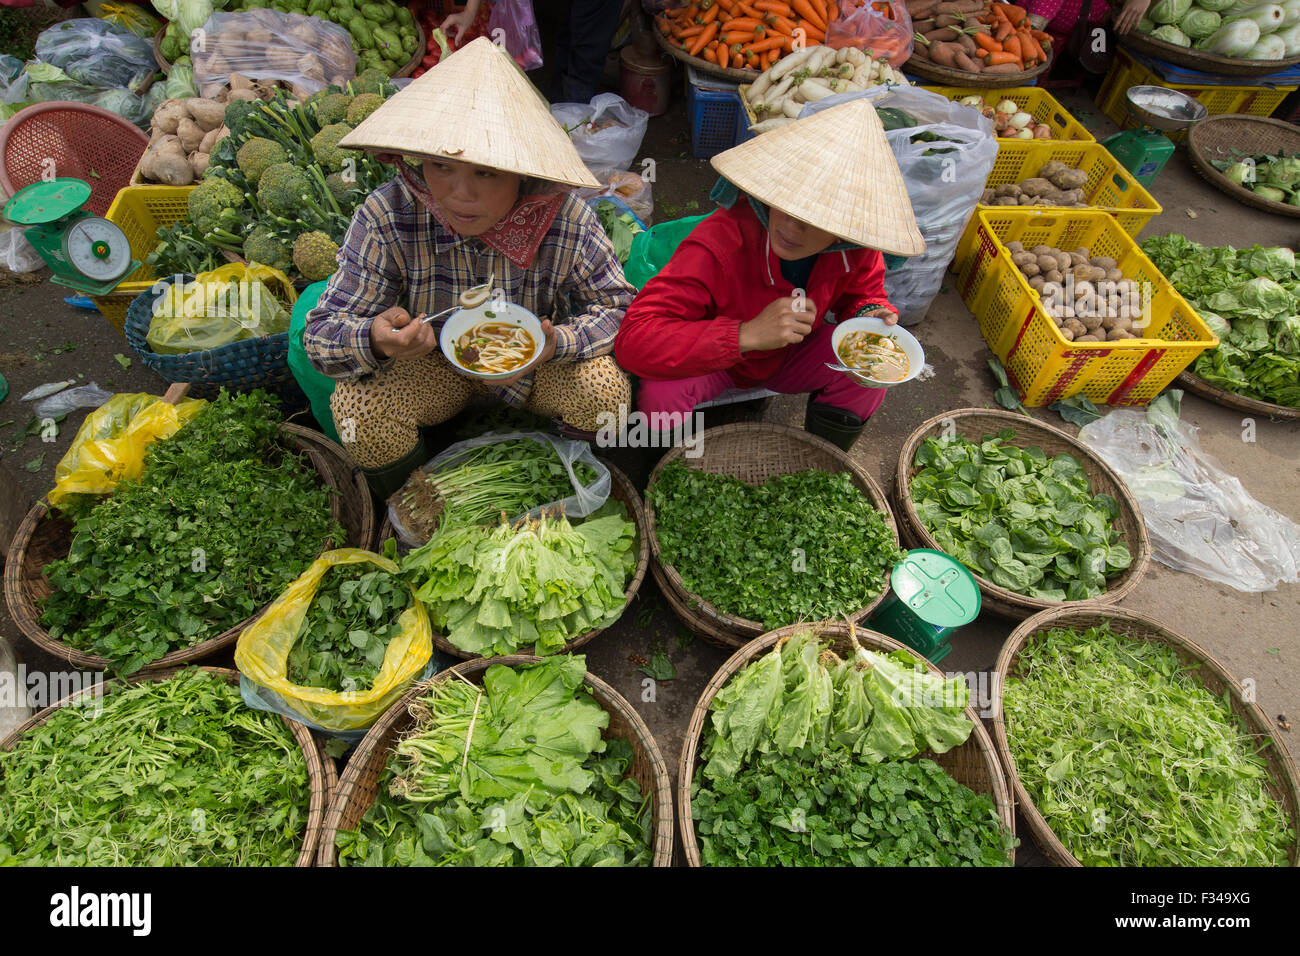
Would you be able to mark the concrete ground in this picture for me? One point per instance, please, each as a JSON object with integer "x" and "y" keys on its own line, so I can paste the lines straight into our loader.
{"x": 1254, "y": 635}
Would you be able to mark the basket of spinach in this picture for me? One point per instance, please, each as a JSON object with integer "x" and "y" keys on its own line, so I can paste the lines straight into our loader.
{"x": 507, "y": 762}
{"x": 174, "y": 564}
{"x": 1129, "y": 745}
{"x": 768, "y": 527}
{"x": 1036, "y": 516}
{"x": 166, "y": 769}
{"x": 834, "y": 746}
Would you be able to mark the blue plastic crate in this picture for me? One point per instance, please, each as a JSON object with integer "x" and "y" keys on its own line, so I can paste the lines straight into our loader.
{"x": 714, "y": 110}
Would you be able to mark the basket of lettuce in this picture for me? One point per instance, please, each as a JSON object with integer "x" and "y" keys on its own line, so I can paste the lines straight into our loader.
{"x": 1224, "y": 37}
{"x": 1250, "y": 298}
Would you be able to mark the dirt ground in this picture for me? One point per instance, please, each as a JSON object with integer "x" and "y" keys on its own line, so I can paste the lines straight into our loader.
{"x": 1254, "y": 635}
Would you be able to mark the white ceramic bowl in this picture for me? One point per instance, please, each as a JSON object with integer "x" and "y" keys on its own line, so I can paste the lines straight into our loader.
{"x": 906, "y": 340}
{"x": 462, "y": 320}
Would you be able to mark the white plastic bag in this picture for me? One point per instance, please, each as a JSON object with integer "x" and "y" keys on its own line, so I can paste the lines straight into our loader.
{"x": 17, "y": 253}
{"x": 944, "y": 187}
{"x": 606, "y": 132}
{"x": 583, "y": 501}
{"x": 1199, "y": 518}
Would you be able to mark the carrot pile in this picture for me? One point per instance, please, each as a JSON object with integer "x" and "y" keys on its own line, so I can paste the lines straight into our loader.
{"x": 746, "y": 34}
{"x": 977, "y": 36}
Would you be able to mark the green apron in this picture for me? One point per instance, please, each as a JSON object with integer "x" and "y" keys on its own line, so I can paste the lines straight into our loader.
{"x": 317, "y": 387}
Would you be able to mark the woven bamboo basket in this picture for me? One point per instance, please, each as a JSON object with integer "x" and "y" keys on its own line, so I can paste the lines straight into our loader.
{"x": 752, "y": 452}
{"x": 1204, "y": 62}
{"x": 974, "y": 764}
{"x": 1199, "y": 386}
{"x": 948, "y": 76}
{"x": 620, "y": 490}
{"x": 317, "y": 774}
{"x": 976, "y": 423}
{"x": 344, "y": 476}
{"x": 702, "y": 65}
{"x": 44, "y": 536}
{"x": 1218, "y": 136}
{"x": 359, "y": 784}
{"x": 1282, "y": 783}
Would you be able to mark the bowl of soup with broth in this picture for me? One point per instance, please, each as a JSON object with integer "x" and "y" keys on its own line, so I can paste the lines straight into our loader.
{"x": 881, "y": 355}
{"x": 493, "y": 341}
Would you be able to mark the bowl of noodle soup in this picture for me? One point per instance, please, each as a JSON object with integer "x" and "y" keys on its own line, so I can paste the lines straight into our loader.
{"x": 887, "y": 355}
{"x": 493, "y": 341}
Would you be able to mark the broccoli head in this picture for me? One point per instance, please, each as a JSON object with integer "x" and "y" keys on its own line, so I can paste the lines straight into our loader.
{"x": 262, "y": 245}
{"x": 370, "y": 80}
{"x": 362, "y": 106}
{"x": 256, "y": 155}
{"x": 281, "y": 188}
{"x": 313, "y": 254}
{"x": 338, "y": 186}
{"x": 237, "y": 112}
{"x": 325, "y": 147}
{"x": 212, "y": 197}
{"x": 332, "y": 108}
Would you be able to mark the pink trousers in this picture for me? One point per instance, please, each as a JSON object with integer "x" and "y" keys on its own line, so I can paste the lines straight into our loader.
{"x": 804, "y": 371}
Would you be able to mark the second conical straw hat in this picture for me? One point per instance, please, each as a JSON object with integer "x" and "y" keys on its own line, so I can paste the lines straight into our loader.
{"x": 475, "y": 106}
{"x": 833, "y": 170}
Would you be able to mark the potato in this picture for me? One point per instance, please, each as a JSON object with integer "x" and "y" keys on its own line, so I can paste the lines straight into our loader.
{"x": 1046, "y": 263}
{"x": 1075, "y": 326}
{"x": 1052, "y": 168}
{"x": 1057, "y": 319}
{"x": 1030, "y": 269}
{"x": 246, "y": 95}
{"x": 1062, "y": 261}
{"x": 1054, "y": 276}
{"x": 1007, "y": 189}
{"x": 1086, "y": 338}
{"x": 988, "y": 195}
{"x": 1067, "y": 334}
{"x": 190, "y": 134}
{"x": 199, "y": 163}
{"x": 1104, "y": 262}
{"x": 1117, "y": 334}
{"x": 1068, "y": 178}
{"x": 168, "y": 163}
{"x": 207, "y": 114}
{"x": 1024, "y": 199}
{"x": 1036, "y": 283}
{"x": 1083, "y": 251}
{"x": 1021, "y": 258}
{"x": 168, "y": 115}
{"x": 1114, "y": 275}
{"x": 240, "y": 82}
{"x": 1012, "y": 247}
{"x": 1083, "y": 287}
{"x": 1036, "y": 186}
{"x": 1091, "y": 322}
{"x": 1041, "y": 249}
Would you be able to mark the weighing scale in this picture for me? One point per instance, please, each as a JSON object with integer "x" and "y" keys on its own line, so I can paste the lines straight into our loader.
{"x": 1144, "y": 152}
{"x": 86, "y": 252}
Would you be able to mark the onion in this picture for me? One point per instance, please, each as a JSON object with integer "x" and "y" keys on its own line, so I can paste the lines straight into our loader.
{"x": 1008, "y": 106}
{"x": 1042, "y": 131}
{"x": 1020, "y": 121}
{"x": 1024, "y": 134}
{"x": 989, "y": 112}
{"x": 975, "y": 101}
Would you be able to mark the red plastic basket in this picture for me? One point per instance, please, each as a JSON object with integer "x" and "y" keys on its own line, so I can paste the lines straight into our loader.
{"x": 84, "y": 142}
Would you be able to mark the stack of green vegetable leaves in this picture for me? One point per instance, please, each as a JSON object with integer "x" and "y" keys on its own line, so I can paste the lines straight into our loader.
{"x": 806, "y": 763}
{"x": 221, "y": 520}
{"x": 1250, "y": 299}
{"x": 347, "y": 628}
{"x": 621, "y": 229}
{"x": 175, "y": 772}
{"x": 1026, "y": 522}
{"x": 539, "y": 583}
{"x": 1132, "y": 762}
{"x": 806, "y": 546}
{"x": 512, "y": 774}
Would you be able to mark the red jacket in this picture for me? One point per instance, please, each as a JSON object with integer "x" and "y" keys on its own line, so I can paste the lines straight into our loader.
{"x": 686, "y": 321}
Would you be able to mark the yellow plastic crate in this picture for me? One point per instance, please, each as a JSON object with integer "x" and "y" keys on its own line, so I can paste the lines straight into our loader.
{"x": 1110, "y": 187}
{"x": 140, "y": 211}
{"x": 1126, "y": 72}
{"x": 1040, "y": 363}
{"x": 1039, "y": 104}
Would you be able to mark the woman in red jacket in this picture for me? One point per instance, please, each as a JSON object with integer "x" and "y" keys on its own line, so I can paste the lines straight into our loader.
{"x": 807, "y": 211}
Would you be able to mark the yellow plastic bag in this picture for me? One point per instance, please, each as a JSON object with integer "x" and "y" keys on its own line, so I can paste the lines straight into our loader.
{"x": 131, "y": 17}
{"x": 237, "y": 301}
{"x": 111, "y": 443}
{"x": 262, "y": 654}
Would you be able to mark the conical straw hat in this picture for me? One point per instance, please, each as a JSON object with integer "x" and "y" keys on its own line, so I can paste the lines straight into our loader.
{"x": 833, "y": 170}
{"x": 475, "y": 106}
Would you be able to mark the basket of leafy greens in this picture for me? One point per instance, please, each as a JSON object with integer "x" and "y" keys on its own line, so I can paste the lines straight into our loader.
{"x": 767, "y": 527}
{"x": 1254, "y": 159}
{"x": 164, "y": 769}
{"x": 835, "y": 746}
{"x": 1129, "y": 745}
{"x": 171, "y": 566}
{"x": 516, "y": 761}
{"x": 1038, "y": 518}
{"x": 1250, "y": 299}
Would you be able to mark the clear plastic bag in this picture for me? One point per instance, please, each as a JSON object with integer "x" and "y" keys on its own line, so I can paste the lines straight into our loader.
{"x": 111, "y": 443}
{"x": 235, "y": 302}
{"x": 17, "y": 254}
{"x": 522, "y": 38}
{"x": 1199, "y": 518}
{"x": 583, "y": 501}
{"x": 607, "y": 132}
{"x": 262, "y": 654}
{"x": 98, "y": 53}
{"x": 628, "y": 186}
{"x": 305, "y": 52}
{"x": 64, "y": 403}
{"x": 885, "y": 36}
{"x": 47, "y": 83}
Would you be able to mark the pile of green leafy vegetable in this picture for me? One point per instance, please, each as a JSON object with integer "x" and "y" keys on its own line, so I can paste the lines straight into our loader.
{"x": 496, "y": 590}
{"x": 620, "y": 228}
{"x": 485, "y": 483}
{"x": 1026, "y": 522}
{"x": 1250, "y": 299}
{"x": 347, "y": 628}
{"x": 1133, "y": 762}
{"x": 806, "y": 763}
{"x": 221, "y": 520}
{"x": 806, "y": 546}
{"x": 511, "y": 774}
{"x": 174, "y": 772}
